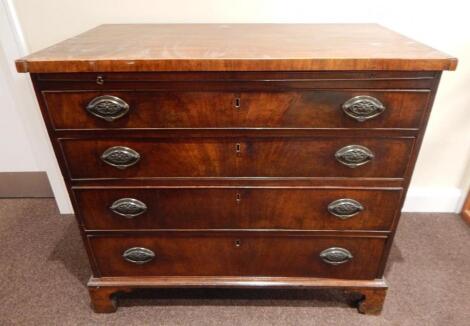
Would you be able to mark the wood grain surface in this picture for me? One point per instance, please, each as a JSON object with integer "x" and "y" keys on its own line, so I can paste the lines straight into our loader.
{"x": 237, "y": 157}
{"x": 236, "y": 47}
{"x": 216, "y": 109}
{"x": 238, "y": 208}
{"x": 238, "y": 254}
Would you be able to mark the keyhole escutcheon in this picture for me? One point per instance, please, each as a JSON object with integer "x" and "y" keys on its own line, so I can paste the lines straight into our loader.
{"x": 100, "y": 80}
{"x": 238, "y": 198}
{"x": 237, "y": 103}
{"x": 238, "y": 243}
{"x": 238, "y": 148}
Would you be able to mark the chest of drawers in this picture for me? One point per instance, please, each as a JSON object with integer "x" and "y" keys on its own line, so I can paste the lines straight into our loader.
{"x": 237, "y": 155}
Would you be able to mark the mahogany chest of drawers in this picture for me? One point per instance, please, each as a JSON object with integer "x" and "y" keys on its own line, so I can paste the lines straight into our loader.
{"x": 237, "y": 155}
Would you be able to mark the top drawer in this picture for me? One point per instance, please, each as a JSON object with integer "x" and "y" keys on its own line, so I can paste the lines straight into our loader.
{"x": 225, "y": 109}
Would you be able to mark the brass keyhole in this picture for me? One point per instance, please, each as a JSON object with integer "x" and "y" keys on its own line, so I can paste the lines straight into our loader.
{"x": 238, "y": 243}
{"x": 238, "y": 198}
{"x": 237, "y": 103}
{"x": 100, "y": 80}
{"x": 238, "y": 148}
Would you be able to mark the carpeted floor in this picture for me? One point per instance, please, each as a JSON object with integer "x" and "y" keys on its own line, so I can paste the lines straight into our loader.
{"x": 43, "y": 272}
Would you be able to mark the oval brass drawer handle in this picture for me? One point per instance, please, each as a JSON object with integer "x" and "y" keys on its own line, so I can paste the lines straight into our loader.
{"x": 335, "y": 256}
{"x": 138, "y": 255}
{"x": 363, "y": 107}
{"x": 345, "y": 208}
{"x": 128, "y": 207}
{"x": 108, "y": 107}
{"x": 120, "y": 157}
{"x": 354, "y": 155}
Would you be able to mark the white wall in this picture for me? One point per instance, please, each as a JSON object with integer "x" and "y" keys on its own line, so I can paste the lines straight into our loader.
{"x": 16, "y": 154}
{"x": 438, "y": 183}
{"x": 23, "y": 136}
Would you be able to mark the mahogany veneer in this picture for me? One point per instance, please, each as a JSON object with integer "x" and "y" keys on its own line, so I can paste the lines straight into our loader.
{"x": 197, "y": 208}
{"x": 466, "y": 210}
{"x": 237, "y": 47}
{"x": 291, "y": 109}
{"x": 237, "y": 155}
{"x": 238, "y": 254}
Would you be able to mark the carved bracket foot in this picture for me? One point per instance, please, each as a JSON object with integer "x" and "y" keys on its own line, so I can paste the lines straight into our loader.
{"x": 368, "y": 296}
{"x": 103, "y": 299}
{"x": 371, "y": 301}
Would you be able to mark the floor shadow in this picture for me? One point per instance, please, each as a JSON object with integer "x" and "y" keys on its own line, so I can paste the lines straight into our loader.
{"x": 394, "y": 257}
{"x": 236, "y": 297}
{"x": 71, "y": 252}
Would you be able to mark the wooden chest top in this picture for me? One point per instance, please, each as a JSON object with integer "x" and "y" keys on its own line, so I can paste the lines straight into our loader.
{"x": 236, "y": 47}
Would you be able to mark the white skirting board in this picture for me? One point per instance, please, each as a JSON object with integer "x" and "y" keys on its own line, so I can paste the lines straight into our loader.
{"x": 439, "y": 200}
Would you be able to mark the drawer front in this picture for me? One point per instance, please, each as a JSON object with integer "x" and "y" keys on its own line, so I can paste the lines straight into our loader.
{"x": 225, "y": 157}
{"x": 237, "y": 208}
{"x": 238, "y": 254}
{"x": 292, "y": 109}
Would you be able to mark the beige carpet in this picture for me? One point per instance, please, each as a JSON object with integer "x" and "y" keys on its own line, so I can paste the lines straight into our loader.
{"x": 43, "y": 271}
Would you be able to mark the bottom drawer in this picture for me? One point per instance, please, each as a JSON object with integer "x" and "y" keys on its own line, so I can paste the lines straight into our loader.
{"x": 238, "y": 254}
